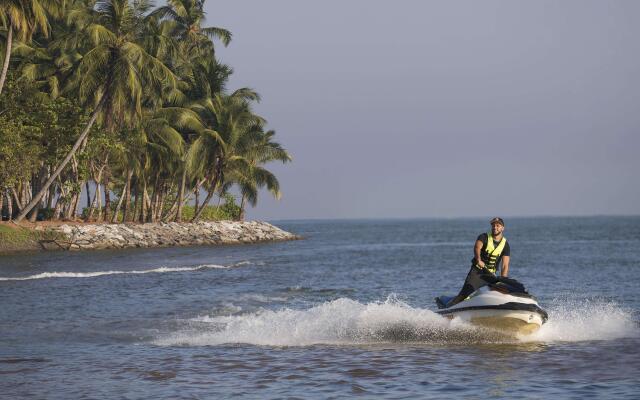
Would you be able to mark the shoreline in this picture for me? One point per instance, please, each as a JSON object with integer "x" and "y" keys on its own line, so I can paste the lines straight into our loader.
{"x": 71, "y": 236}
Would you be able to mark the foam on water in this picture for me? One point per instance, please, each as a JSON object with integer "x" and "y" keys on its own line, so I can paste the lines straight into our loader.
{"x": 345, "y": 321}
{"x": 46, "y": 275}
{"x": 571, "y": 320}
{"x": 341, "y": 321}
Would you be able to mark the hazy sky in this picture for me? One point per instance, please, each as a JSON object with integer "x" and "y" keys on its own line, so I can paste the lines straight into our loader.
{"x": 443, "y": 109}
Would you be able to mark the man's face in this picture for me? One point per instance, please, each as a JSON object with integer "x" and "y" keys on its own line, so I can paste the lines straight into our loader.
{"x": 496, "y": 229}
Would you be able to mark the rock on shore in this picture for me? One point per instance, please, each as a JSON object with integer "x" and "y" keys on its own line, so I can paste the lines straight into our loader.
{"x": 118, "y": 236}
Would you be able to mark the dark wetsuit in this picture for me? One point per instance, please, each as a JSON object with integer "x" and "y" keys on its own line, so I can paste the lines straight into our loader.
{"x": 475, "y": 278}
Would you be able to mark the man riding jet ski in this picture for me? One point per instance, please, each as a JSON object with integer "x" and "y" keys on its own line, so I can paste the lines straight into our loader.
{"x": 490, "y": 300}
{"x": 502, "y": 304}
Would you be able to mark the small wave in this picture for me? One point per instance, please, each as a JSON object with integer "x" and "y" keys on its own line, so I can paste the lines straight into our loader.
{"x": 224, "y": 309}
{"x": 321, "y": 291}
{"x": 241, "y": 263}
{"x": 297, "y": 288}
{"x": 260, "y": 298}
{"x": 46, "y": 275}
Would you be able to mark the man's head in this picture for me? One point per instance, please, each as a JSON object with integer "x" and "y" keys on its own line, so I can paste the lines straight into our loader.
{"x": 497, "y": 226}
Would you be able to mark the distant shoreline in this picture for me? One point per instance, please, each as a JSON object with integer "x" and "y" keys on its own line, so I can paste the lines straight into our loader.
{"x": 74, "y": 236}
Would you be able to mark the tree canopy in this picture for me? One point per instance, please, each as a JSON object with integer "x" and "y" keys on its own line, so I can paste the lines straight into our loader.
{"x": 127, "y": 104}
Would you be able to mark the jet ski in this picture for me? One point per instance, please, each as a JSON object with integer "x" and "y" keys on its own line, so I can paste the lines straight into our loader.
{"x": 503, "y": 304}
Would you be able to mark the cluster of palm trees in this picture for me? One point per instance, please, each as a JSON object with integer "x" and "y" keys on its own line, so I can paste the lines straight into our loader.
{"x": 159, "y": 127}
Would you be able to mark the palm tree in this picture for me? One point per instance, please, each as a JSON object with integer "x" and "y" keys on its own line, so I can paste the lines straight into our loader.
{"x": 249, "y": 174}
{"x": 193, "y": 57}
{"x": 164, "y": 153}
{"x": 171, "y": 37}
{"x": 226, "y": 117}
{"x": 24, "y": 17}
{"x": 115, "y": 74}
{"x": 189, "y": 126}
{"x": 186, "y": 18}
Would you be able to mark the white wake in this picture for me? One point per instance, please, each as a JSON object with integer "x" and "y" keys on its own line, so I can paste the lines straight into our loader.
{"x": 574, "y": 321}
{"x": 46, "y": 275}
{"x": 342, "y": 321}
{"x": 345, "y": 321}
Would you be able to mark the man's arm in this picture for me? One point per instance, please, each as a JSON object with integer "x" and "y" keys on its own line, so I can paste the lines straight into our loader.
{"x": 505, "y": 266}
{"x": 476, "y": 251}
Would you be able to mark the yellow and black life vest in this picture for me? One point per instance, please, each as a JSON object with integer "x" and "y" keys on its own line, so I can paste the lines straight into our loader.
{"x": 491, "y": 253}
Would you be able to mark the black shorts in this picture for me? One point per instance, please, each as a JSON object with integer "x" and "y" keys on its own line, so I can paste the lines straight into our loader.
{"x": 476, "y": 278}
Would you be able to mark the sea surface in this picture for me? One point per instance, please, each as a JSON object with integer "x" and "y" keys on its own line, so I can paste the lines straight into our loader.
{"x": 346, "y": 312}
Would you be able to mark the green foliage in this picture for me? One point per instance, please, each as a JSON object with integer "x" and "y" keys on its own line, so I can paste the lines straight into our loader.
{"x": 26, "y": 16}
{"x": 164, "y": 118}
{"x": 18, "y": 238}
{"x": 15, "y": 235}
{"x": 227, "y": 211}
{"x": 210, "y": 213}
{"x": 230, "y": 208}
{"x": 34, "y": 129}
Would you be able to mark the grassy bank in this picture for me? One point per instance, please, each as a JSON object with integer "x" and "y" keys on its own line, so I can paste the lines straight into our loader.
{"x": 15, "y": 238}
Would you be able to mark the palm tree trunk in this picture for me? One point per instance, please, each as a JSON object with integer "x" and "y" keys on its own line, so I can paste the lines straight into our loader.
{"x": 114, "y": 219}
{"x": 172, "y": 212}
{"x": 69, "y": 207}
{"x": 17, "y": 198}
{"x": 181, "y": 194}
{"x": 154, "y": 199}
{"x": 127, "y": 195}
{"x": 45, "y": 198}
{"x": 143, "y": 202}
{"x": 59, "y": 202}
{"x": 9, "y": 206}
{"x": 161, "y": 197}
{"x": 63, "y": 164}
{"x": 34, "y": 213}
{"x": 136, "y": 200}
{"x": 96, "y": 195}
{"x": 52, "y": 195}
{"x": 210, "y": 193}
{"x": 197, "y": 203}
{"x": 146, "y": 202}
{"x": 24, "y": 193}
{"x": 99, "y": 209}
{"x": 204, "y": 204}
{"x": 7, "y": 54}
{"x": 57, "y": 210}
{"x": 107, "y": 197}
{"x": 241, "y": 216}
{"x": 36, "y": 184}
{"x": 72, "y": 211}
{"x": 86, "y": 186}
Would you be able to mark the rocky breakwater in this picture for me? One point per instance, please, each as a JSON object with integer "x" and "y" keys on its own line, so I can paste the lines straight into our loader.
{"x": 118, "y": 236}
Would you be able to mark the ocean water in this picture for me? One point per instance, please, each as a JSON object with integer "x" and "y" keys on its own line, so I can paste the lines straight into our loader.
{"x": 346, "y": 312}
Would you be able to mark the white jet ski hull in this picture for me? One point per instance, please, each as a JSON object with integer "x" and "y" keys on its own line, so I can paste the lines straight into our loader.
{"x": 510, "y": 321}
{"x": 514, "y": 314}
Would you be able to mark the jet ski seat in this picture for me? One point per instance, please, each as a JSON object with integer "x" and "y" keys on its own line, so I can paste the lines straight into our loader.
{"x": 508, "y": 285}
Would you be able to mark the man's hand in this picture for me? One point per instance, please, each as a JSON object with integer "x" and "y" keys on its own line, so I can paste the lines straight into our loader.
{"x": 480, "y": 264}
